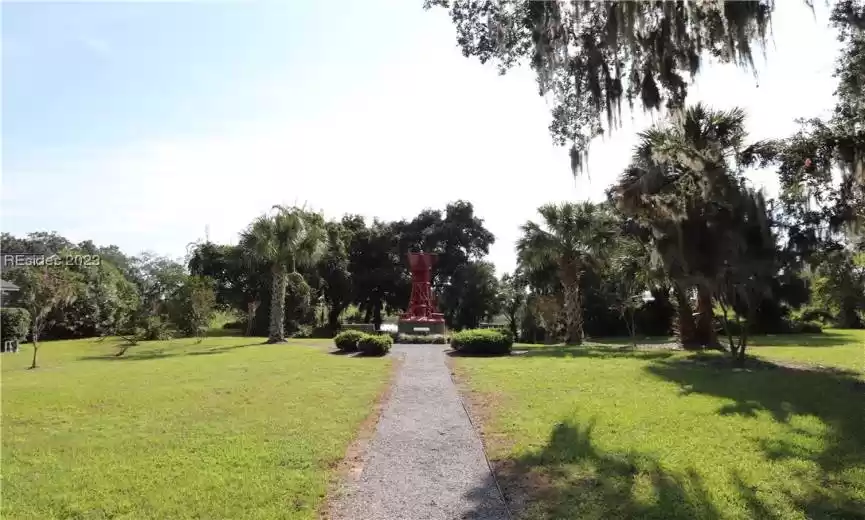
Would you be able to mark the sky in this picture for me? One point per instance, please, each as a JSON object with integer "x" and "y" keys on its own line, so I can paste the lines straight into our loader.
{"x": 150, "y": 125}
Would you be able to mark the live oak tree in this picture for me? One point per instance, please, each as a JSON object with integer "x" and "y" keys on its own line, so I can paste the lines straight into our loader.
{"x": 590, "y": 56}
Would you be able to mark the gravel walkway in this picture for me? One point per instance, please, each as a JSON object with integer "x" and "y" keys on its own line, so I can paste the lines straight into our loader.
{"x": 425, "y": 462}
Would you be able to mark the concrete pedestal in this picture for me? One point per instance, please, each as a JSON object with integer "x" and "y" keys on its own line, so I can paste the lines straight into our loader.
{"x": 420, "y": 328}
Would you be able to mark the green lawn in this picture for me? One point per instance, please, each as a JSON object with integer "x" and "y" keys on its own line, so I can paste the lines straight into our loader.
{"x": 598, "y": 432}
{"x": 227, "y": 428}
{"x": 843, "y": 349}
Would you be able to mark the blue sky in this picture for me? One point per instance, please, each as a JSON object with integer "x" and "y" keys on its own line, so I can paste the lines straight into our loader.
{"x": 140, "y": 124}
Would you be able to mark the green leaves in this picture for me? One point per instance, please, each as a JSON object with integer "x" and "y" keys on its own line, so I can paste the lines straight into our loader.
{"x": 590, "y": 56}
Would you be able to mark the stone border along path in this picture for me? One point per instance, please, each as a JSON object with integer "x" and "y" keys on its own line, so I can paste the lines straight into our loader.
{"x": 426, "y": 461}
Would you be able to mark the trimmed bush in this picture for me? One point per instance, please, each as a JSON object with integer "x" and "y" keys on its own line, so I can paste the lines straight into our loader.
{"x": 427, "y": 339}
{"x": 493, "y": 342}
{"x": 14, "y": 324}
{"x": 368, "y": 328}
{"x": 375, "y": 345}
{"x": 347, "y": 340}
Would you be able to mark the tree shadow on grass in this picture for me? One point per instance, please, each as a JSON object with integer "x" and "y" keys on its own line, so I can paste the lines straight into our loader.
{"x": 597, "y": 352}
{"x": 457, "y": 353}
{"x": 570, "y": 477}
{"x": 625, "y": 341}
{"x": 835, "y": 397}
{"x": 135, "y": 354}
{"x": 834, "y": 339}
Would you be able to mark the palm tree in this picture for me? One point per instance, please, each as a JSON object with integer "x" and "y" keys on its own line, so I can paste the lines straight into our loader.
{"x": 286, "y": 239}
{"x": 572, "y": 237}
{"x": 683, "y": 181}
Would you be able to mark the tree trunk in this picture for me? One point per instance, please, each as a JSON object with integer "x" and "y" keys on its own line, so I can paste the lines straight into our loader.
{"x": 333, "y": 318}
{"x": 848, "y": 318}
{"x": 376, "y": 315}
{"x": 276, "y": 334}
{"x": 251, "y": 307}
{"x": 686, "y": 329}
{"x": 512, "y": 325}
{"x": 35, "y": 348}
{"x": 573, "y": 314}
{"x": 706, "y": 333}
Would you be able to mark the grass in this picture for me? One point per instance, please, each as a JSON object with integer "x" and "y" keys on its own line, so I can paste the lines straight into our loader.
{"x": 225, "y": 428}
{"x": 844, "y": 349}
{"x": 600, "y": 432}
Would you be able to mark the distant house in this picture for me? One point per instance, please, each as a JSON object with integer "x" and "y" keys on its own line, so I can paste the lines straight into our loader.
{"x": 8, "y": 292}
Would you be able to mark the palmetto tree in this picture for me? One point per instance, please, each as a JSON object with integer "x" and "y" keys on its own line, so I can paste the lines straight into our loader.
{"x": 572, "y": 237}
{"x": 683, "y": 183}
{"x": 284, "y": 240}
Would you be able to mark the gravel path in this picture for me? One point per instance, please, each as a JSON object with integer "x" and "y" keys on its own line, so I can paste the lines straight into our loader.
{"x": 425, "y": 462}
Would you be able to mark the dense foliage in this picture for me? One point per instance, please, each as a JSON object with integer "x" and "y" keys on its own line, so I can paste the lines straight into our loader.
{"x": 482, "y": 342}
{"x": 374, "y": 344}
{"x": 347, "y": 340}
{"x": 14, "y": 324}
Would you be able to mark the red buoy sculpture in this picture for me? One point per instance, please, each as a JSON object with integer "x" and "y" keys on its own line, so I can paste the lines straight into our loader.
{"x": 421, "y": 317}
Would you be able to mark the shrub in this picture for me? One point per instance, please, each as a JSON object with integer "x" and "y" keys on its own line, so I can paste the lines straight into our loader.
{"x": 816, "y": 315}
{"x": 375, "y": 345}
{"x": 483, "y": 342}
{"x": 14, "y": 324}
{"x": 308, "y": 331}
{"x": 153, "y": 328}
{"x": 235, "y": 325}
{"x": 347, "y": 340}
{"x": 428, "y": 339}
{"x": 805, "y": 327}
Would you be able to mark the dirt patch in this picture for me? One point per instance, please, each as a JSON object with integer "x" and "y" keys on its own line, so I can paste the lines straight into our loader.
{"x": 351, "y": 466}
{"x": 522, "y": 485}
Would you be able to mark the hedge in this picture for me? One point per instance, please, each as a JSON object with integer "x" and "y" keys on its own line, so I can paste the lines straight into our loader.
{"x": 427, "y": 339}
{"x": 374, "y": 345}
{"x": 483, "y": 342}
{"x": 347, "y": 340}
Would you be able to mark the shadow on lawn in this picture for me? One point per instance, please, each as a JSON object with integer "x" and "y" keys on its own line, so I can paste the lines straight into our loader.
{"x": 597, "y": 352}
{"x": 134, "y": 354}
{"x": 571, "y": 478}
{"x": 832, "y": 339}
{"x": 625, "y": 341}
{"x": 836, "y": 398}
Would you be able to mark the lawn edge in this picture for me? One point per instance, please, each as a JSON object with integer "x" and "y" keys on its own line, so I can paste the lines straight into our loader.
{"x": 481, "y": 407}
{"x": 349, "y": 469}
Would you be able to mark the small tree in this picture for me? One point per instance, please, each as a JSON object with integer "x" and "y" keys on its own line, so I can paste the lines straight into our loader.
{"x": 630, "y": 269}
{"x": 549, "y": 308}
{"x": 193, "y": 306}
{"x": 44, "y": 289}
{"x": 513, "y": 295}
{"x": 745, "y": 278}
